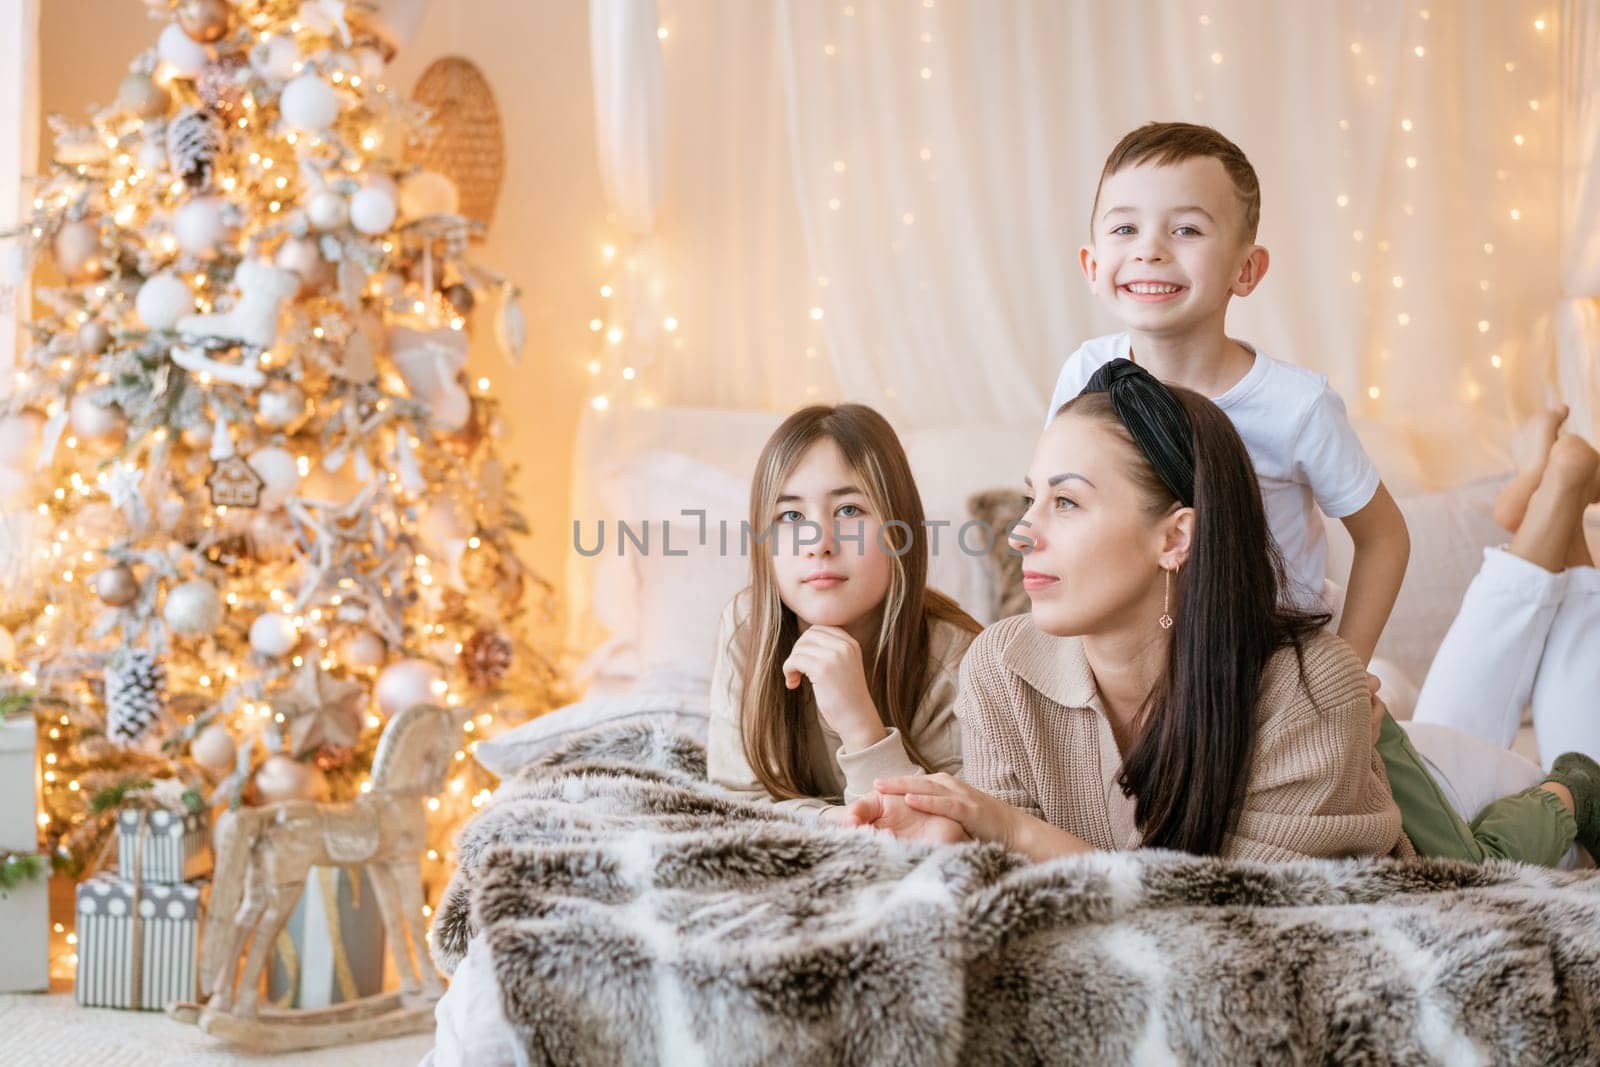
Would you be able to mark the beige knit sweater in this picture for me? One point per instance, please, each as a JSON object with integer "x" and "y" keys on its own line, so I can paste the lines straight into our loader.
{"x": 1035, "y": 735}
{"x": 847, "y": 775}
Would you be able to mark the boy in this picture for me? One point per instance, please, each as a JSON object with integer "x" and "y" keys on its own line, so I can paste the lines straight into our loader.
{"x": 1172, "y": 241}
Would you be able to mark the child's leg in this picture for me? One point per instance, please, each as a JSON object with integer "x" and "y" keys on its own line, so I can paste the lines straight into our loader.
{"x": 1531, "y": 451}
{"x": 1484, "y": 673}
{"x": 1566, "y": 690}
{"x": 1512, "y": 817}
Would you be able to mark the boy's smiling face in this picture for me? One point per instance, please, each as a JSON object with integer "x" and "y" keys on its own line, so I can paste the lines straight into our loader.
{"x": 1169, "y": 247}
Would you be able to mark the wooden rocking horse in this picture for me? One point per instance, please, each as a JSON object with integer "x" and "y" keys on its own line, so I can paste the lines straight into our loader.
{"x": 262, "y": 858}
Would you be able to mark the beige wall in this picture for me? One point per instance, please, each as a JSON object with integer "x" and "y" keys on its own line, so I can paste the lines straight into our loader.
{"x": 547, "y": 230}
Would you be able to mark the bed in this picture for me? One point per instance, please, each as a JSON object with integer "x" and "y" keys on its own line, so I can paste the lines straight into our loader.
{"x": 579, "y": 927}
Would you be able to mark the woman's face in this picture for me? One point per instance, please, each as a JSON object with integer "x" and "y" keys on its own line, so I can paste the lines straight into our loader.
{"x": 1092, "y": 549}
{"x": 831, "y": 567}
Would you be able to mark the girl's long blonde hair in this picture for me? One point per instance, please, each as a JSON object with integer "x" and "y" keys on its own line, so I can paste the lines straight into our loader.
{"x": 773, "y": 720}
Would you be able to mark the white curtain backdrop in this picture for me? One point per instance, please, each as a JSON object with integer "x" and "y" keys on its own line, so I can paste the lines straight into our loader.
{"x": 1578, "y": 324}
{"x": 920, "y": 251}
{"x": 19, "y": 147}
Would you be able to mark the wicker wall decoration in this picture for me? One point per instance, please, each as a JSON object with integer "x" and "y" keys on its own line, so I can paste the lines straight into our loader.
{"x": 469, "y": 147}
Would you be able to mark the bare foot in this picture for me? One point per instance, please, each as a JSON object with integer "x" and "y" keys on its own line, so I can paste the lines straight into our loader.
{"x": 1575, "y": 465}
{"x": 1531, "y": 450}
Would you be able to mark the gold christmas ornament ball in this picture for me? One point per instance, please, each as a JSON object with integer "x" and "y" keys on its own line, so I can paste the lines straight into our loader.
{"x": 427, "y": 193}
{"x": 302, "y": 257}
{"x": 94, "y": 337}
{"x": 460, "y": 297}
{"x": 281, "y": 778}
{"x": 141, "y": 94}
{"x": 77, "y": 249}
{"x": 116, "y": 585}
{"x": 213, "y": 749}
{"x": 363, "y": 650}
{"x": 407, "y": 683}
{"x": 204, "y": 20}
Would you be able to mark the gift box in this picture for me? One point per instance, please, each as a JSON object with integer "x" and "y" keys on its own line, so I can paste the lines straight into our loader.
{"x": 25, "y": 930}
{"x": 331, "y": 950}
{"x": 19, "y": 830}
{"x": 176, "y": 845}
{"x": 136, "y": 948}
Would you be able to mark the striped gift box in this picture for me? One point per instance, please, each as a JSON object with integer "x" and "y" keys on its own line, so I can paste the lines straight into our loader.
{"x": 167, "y": 928}
{"x": 176, "y": 846}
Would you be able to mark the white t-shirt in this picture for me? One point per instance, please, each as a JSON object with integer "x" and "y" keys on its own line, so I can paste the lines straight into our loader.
{"x": 1305, "y": 453}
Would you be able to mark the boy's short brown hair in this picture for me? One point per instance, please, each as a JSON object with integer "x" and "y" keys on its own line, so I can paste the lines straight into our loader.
{"x": 1166, "y": 143}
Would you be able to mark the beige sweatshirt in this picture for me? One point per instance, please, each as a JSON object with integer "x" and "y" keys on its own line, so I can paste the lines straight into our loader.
{"x": 847, "y": 775}
{"x": 1036, "y": 736}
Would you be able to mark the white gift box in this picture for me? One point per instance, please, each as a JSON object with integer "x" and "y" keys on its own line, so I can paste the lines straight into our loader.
{"x": 19, "y": 828}
{"x": 25, "y": 933}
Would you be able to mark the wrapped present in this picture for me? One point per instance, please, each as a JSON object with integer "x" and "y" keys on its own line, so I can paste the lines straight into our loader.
{"x": 331, "y": 950}
{"x": 136, "y": 943}
{"x": 24, "y": 922}
{"x": 172, "y": 846}
{"x": 19, "y": 829}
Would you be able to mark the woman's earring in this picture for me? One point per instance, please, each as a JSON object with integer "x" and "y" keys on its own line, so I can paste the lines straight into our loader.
{"x": 1166, "y": 605}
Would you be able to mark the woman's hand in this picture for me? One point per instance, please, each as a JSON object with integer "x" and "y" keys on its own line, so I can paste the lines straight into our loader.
{"x": 893, "y": 815}
{"x": 980, "y": 815}
{"x": 830, "y": 659}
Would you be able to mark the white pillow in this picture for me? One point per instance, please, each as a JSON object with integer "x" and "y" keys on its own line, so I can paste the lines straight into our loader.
{"x": 682, "y": 711}
{"x": 676, "y": 600}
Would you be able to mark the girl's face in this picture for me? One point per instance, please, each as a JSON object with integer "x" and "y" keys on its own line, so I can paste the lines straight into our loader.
{"x": 1093, "y": 552}
{"x": 831, "y": 568}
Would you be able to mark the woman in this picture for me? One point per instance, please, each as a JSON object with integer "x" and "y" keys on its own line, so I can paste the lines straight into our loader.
{"x": 1129, "y": 731}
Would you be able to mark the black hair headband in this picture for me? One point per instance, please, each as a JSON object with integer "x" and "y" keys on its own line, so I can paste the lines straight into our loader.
{"x": 1155, "y": 419}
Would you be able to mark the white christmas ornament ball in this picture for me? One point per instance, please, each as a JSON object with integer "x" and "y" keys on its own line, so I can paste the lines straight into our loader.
{"x": 93, "y": 421}
{"x": 302, "y": 257}
{"x": 309, "y": 103}
{"x": 199, "y": 227}
{"x": 273, "y": 634}
{"x": 194, "y": 608}
{"x": 371, "y": 63}
{"x": 282, "y": 778}
{"x": 153, "y": 155}
{"x": 280, "y": 405}
{"x": 428, "y": 193}
{"x": 77, "y": 248}
{"x": 213, "y": 748}
{"x": 363, "y": 650}
{"x": 279, "y": 474}
{"x": 327, "y": 211}
{"x": 275, "y": 58}
{"x": 186, "y": 56}
{"x": 406, "y": 684}
{"x": 372, "y": 210}
{"x": 163, "y": 300}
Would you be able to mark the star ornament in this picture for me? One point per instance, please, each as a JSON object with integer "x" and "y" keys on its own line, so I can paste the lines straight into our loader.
{"x": 321, "y": 710}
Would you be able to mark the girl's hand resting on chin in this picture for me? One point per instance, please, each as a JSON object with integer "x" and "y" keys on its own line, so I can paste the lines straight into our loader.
{"x": 830, "y": 659}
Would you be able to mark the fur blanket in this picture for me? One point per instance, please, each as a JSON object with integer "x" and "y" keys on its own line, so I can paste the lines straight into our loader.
{"x": 636, "y": 914}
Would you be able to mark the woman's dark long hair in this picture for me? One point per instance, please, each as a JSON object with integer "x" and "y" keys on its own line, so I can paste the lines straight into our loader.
{"x": 1189, "y": 767}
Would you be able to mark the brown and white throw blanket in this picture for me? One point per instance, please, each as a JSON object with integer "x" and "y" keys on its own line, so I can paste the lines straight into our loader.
{"x": 636, "y": 914}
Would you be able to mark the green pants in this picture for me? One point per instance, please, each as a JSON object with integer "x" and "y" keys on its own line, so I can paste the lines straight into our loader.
{"x": 1532, "y": 826}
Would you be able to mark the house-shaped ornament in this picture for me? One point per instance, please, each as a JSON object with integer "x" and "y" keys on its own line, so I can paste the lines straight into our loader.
{"x": 234, "y": 484}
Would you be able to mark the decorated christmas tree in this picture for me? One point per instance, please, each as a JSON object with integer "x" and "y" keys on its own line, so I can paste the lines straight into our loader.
{"x": 254, "y": 504}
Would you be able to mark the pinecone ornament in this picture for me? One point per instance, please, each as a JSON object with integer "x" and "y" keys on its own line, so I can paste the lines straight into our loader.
{"x": 136, "y": 696}
{"x": 194, "y": 141}
{"x": 486, "y": 658}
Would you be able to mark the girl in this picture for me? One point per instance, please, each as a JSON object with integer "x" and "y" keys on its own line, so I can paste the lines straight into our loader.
{"x": 1112, "y": 719}
{"x": 837, "y": 665}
